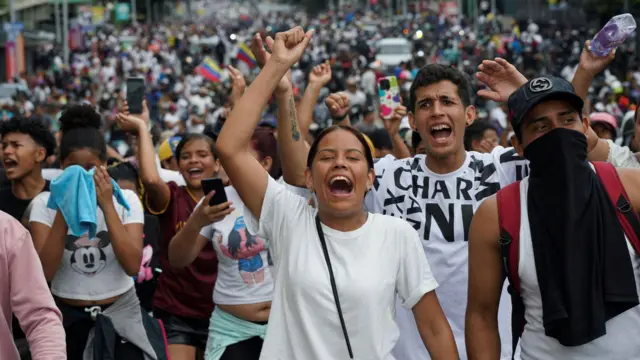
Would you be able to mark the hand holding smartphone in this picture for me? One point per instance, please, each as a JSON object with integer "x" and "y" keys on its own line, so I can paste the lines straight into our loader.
{"x": 214, "y": 184}
{"x": 135, "y": 94}
{"x": 389, "y": 93}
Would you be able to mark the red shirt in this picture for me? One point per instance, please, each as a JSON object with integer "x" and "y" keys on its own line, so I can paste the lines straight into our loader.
{"x": 186, "y": 292}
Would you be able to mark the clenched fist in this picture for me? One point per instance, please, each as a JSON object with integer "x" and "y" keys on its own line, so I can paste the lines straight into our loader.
{"x": 288, "y": 46}
{"x": 338, "y": 105}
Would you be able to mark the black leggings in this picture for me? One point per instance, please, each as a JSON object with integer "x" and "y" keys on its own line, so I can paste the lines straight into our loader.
{"x": 77, "y": 332}
{"x": 244, "y": 350}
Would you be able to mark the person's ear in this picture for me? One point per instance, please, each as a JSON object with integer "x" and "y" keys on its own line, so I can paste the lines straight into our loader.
{"x": 308, "y": 180}
{"x": 371, "y": 175}
{"x": 585, "y": 124}
{"x": 412, "y": 122}
{"x": 41, "y": 154}
{"x": 517, "y": 145}
{"x": 266, "y": 163}
{"x": 470, "y": 115}
{"x": 216, "y": 166}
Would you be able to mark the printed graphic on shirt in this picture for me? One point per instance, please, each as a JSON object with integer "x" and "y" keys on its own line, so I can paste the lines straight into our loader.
{"x": 146, "y": 272}
{"x": 88, "y": 257}
{"x": 407, "y": 191}
{"x": 246, "y": 248}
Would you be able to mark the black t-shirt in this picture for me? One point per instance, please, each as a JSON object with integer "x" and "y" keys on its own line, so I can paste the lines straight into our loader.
{"x": 13, "y": 206}
{"x": 145, "y": 289}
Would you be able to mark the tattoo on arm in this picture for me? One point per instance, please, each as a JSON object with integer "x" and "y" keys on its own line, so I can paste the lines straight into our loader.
{"x": 295, "y": 133}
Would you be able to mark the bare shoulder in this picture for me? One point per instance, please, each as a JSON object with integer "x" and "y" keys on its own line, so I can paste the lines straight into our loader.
{"x": 485, "y": 226}
{"x": 631, "y": 181}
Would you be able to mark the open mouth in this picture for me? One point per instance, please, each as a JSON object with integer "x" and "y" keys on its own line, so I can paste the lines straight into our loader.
{"x": 10, "y": 164}
{"x": 441, "y": 132}
{"x": 340, "y": 186}
{"x": 195, "y": 173}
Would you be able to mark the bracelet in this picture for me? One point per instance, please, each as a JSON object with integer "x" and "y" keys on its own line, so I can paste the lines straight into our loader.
{"x": 339, "y": 119}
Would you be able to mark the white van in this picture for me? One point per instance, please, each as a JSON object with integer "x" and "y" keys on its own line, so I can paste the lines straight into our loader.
{"x": 393, "y": 51}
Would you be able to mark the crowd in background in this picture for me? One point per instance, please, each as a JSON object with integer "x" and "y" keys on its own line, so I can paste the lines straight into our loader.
{"x": 181, "y": 101}
{"x": 147, "y": 172}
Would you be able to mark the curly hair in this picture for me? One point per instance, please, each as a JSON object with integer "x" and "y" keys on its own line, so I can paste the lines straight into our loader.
{"x": 35, "y": 128}
{"x": 80, "y": 127}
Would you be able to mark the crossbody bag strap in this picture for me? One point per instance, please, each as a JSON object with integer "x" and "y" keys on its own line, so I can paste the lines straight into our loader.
{"x": 334, "y": 288}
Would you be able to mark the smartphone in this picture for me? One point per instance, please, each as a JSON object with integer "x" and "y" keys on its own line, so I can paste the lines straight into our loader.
{"x": 211, "y": 184}
{"x": 389, "y": 93}
{"x": 135, "y": 94}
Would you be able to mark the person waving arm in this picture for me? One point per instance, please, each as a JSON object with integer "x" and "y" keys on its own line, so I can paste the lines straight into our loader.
{"x": 245, "y": 172}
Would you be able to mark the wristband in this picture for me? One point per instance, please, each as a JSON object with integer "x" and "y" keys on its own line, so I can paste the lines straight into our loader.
{"x": 340, "y": 118}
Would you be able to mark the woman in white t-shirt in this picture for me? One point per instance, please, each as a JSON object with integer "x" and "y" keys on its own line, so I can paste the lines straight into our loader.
{"x": 337, "y": 269}
{"x": 91, "y": 278}
{"x": 244, "y": 286}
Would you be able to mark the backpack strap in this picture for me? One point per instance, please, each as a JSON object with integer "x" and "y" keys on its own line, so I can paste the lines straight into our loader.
{"x": 626, "y": 215}
{"x": 508, "y": 199}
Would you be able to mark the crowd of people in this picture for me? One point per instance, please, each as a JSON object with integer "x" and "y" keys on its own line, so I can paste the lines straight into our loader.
{"x": 343, "y": 234}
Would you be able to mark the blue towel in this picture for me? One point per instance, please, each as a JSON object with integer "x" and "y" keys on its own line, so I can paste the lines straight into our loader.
{"x": 74, "y": 193}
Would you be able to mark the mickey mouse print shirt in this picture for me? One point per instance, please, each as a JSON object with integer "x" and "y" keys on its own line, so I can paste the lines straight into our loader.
{"x": 89, "y": 269}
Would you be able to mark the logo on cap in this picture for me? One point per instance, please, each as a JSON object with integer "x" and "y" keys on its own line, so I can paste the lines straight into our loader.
{"x": 540, "y": 84}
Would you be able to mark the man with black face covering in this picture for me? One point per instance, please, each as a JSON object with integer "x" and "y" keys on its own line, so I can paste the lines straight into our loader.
{"x": 577, "y": 268}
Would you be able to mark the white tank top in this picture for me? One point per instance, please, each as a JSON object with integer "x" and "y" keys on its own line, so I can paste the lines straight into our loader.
{"x": 622, "y": 340}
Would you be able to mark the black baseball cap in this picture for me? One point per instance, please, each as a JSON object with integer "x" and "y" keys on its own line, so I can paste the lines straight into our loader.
{"x": 540, "y": 90}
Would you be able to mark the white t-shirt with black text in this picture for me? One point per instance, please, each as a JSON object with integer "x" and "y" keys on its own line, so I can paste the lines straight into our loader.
{"x": 440, "y": 207}
{"x": 371, "y": 265}
{"x": 89, "y": 269}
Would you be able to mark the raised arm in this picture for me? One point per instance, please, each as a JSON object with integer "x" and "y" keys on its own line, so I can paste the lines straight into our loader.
{"x": 502, "y": 78}
{"x": 392, "y": 125}
{"x": 318, "y": 78}
{"x": 126, "y": 239}
{"x": 158, "y": 193}
{"x": 338, "y": 105}
{"x": 293, "y": 148}
{"x": 485, "y": 284}
{"x": 591, "y": 65}
{"x": 244, "y": 171}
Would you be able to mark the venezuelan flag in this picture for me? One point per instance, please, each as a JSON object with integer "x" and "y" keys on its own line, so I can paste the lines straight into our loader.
{"x": 210, "y": 70}
{"x": 245, "y": 55}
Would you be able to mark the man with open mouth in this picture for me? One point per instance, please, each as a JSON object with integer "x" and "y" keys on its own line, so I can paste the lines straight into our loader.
{"x": 26, "y": 143}
{"x": 438, "y": 194}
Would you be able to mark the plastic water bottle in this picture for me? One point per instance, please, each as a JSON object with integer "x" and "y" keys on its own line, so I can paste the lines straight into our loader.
{"x": 613, "y": 34}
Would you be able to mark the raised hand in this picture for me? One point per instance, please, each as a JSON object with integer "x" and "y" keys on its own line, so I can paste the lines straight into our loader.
{"x": 104, "y": 189}
{"x": 502, "y": 78}
{"x": 486, "y": 147}
{"x": 321, "y": 74}
{"x": 289, "y": 46}
{"x": 263, "y": 55}
{"x": 238, "y": 84}
{"x": 132, "y": 123}
{"x": 338, "y": 105}
{"x": 392, "y": 124}
{"x": 258, "y": 50}
{"x": 593, "y": 64}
